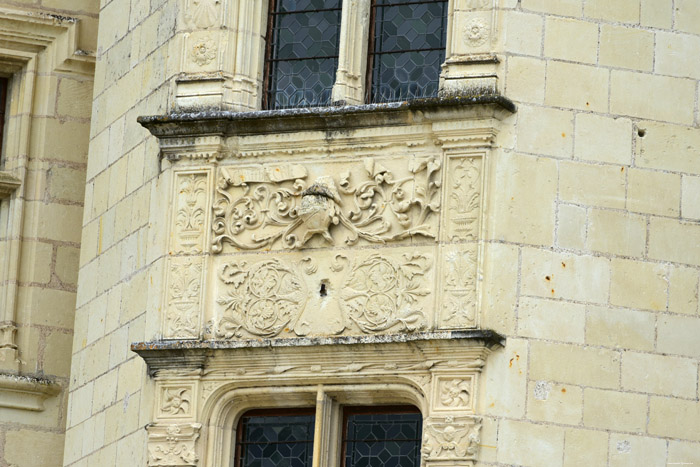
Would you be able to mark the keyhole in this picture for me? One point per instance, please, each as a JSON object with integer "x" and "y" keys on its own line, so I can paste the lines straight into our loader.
{"x": 323, "y": 291}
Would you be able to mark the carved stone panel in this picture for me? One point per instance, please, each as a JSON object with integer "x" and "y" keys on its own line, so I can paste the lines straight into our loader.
{"x": 184, "y": 297}
{"x": 191, "y": 213}
{"x": 285, "y": 206}
{"x": 454, "y": 392}
{"x": 172, "y": 445}
{"x": 175, "y": 401}
{"x": 463, "y": 198}
{"x": 451, "y": 440}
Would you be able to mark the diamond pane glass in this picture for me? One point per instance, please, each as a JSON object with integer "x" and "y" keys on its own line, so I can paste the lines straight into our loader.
{"x": 409, "y": 47}
{"x": 276, "y": 441}
{"x": 303, "y": 55}
{"x": 383, "y": 440}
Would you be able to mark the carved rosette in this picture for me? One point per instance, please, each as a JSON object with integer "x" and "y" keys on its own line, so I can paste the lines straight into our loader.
{"x": 261, "y": 299}
{"x": 264, "y": 207}
{"x": 450, "y": 440}
{"x": 172, "y": 445}
{"x": 175, "y": 401}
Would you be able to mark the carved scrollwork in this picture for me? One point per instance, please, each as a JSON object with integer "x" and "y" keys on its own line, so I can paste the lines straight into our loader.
{"x": 259, "y": 207}
{"x": 182, "y": 316}
{"x": 261, "y": 299}
{"x": 464, "y": 198}
{"x": 190, "y": 215}
{"x": 172, "y": 445}
{"x": 451, "y": 440}
{"x": 380, "y": 293}
{"x": 460, "y": 298}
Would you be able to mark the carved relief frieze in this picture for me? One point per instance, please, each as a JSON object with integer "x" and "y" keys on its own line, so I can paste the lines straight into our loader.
{"x": 184, "y": 296}
{"x": 172, "y": 445}
{"x": 450, "y": 439}
{"x": 267, "y": 207}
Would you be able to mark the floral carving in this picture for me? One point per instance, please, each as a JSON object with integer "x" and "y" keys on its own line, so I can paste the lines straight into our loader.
{"x": 262, "y": 299}
{"x": 176, "y": 401}
{"x": 380, "y": 293}
{"x": 204, "y": 52}
{"x": 455, "y": 392}
{"x": 459, "y": 303}
{"x": 476, "y": 33}
{"x": 258, "y": 207}
{"x": 182, "y": 317}
{"x": 172, "y": 445}
{"x": 451, "y": 440}
{"x": 190, "y": 216}
{"x": 464, "y": 198}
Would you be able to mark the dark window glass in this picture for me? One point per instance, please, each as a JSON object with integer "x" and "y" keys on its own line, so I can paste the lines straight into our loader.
{"x": 382, "y": 437}
{"x": 406, "y": 50}
{"x": 302, "y": 53}
{"x": 275, "y": 439}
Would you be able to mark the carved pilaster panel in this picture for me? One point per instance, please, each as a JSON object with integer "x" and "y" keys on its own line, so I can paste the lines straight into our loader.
{"x": 184, "y": 298}
{"x": 458, "y": 307}
{"x": 375, "y": 202}
{"x": 173, "y": 445}
{"x": 175, "y": 401}
{"x": 451, "y": 441}
{"x": 463, "y": 199}
{"x": 192, "y": 192}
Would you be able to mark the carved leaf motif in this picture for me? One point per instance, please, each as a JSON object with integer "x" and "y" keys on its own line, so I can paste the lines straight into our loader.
{"x": 189, "y": 219}
{"x": 176, "y": 401}
{"x": 455, "y": 393}
{"x": 255, "y": 209}
{"x": 379, "y": 295}
{"x": 451, "y": 440}
{"x": 263, "y": 299}
{"x": 464, "y": 198}
{"x": 183, "y": 298}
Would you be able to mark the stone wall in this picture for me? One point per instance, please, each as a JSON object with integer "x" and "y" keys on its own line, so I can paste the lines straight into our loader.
{"x": 48, "y": 55}
{"x": 593, "y": 256}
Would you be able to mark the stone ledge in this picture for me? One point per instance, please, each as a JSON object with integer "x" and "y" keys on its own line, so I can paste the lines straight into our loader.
{"x": 231, "y": 123}
{"x": 8, "y": 184}
{"x": 26, "y": 392}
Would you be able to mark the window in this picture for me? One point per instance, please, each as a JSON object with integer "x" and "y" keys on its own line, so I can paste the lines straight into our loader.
{"x": 404, "y": 45}
{"x": 380, "y": 436}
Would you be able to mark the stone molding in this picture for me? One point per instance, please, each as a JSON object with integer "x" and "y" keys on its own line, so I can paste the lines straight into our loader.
{"x": 8, "y": 184}
{"x": 25, "y": 392}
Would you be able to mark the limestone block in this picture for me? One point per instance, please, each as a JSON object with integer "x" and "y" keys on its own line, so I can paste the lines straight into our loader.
{"x": 56, "y": 360}
{"x": 620, "y": 328}
{"x": 635, "y": 284}
{"x": 585, "y": 447}
{"x": 687, "y": 16}
{"x": 654, "y": 192}
{"x": 591, "y": 93}
{"x": 573, "y": 364}
{"x": 65, "y": 183}
{"x": 35, "y": 261}
{"x": 603, "y": 139}
{"x": 690, "y": 197}
{"x": 117, "y": 181}
{"x": 116, "y": 29}
{"x": 528, "y": 444}
{"x": 615, "y": 232}
{"x": 572, "y": 277}
{"x": 614, "y": 410}
{"x": 524, "y": 211}
{"x": 49, "y": 307}
{"x": 57, "y": 222}
{"x": 675, "y": 418}
{"x": 525, "y": 79}
{"x": 504, "y": 381}
{"x": 500, "y": 279}
{"x": 627, "y": 48}
{"x": 105, "y": 391}
{"x": 677, "y": 379}
{"x": 94, "y": 363}
{"x": 670, "y": 48}
{"x": 523, "y": 33}
{"x": 667, "y": 238}
{"x": 80, "y": 404}
{"x": 632, "y": 451}
{"x": 596, "y": 185}
{"x": 624, "y": 11}
{"x": 29, "y": 447}
{"x": 130, "y": 449}
{"x": 683, "y": 290}
{"x": 571, "y": 227}
{"x": 668, "y": 147}
{"x": 556, "y": 403}
{"x": 682, "y": 451}
{"x": 552, "y": 320}
{"x": 96, "y": 310}
{"x": 545, "y": 131}
{"x": 66, "y": 268}
{"x": 564, "y": 7}
{"x": 676, "y": 335}
{"x": 570, "y": 39}
{"x": 626, "y": 88}
{"x": 657, "y": 13}
{"x": 74, "y": 98}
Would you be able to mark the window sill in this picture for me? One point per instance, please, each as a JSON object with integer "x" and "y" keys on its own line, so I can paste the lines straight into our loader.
{"x": 25, "y": 392}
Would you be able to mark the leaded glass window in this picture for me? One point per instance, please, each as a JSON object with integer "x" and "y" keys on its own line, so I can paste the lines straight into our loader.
{"x": 269, "y": 438}
{"x": 407, "y": 48}
{"x": 376, "y": 437}
{"x": 302, "y": 52}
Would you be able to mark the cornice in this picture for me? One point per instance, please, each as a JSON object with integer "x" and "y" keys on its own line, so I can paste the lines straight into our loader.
{"x": 26, "y": 392}
{"x": 8, "y": 184}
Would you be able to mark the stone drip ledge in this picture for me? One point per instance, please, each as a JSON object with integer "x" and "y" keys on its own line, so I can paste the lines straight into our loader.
{"x": 26, "y": 392}
{"x": 230, "y": 123}
{"x": 192, "y": 354}
{"x": 8, "y": 184}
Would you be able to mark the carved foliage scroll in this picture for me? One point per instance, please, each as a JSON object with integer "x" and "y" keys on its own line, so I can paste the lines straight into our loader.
{"x": 261, "y": 207}
{"x": 184, "y": 297}
{"x": 464, "y": 185}
{"x": 172, "y": 445}
{"x": 190, "y": 216}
